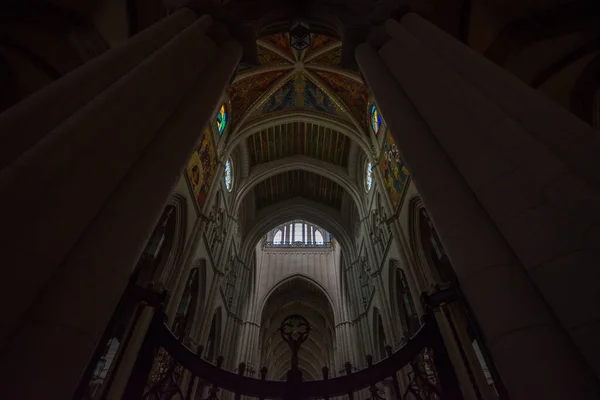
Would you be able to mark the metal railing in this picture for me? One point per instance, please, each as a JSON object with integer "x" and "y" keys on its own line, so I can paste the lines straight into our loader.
{"x": 167, "y": 369}
{"x": 300, "y": 244}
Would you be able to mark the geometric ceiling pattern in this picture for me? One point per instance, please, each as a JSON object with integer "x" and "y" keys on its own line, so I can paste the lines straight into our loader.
{"x": 298, "y": 183}
{"x": 309, "y": 82}
{"x": 299, "y": 138}
{"x": 287, "y": 79}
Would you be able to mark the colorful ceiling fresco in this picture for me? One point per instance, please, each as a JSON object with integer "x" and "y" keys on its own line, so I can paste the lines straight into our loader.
{"x": 331, "y": 57}
{"x": 320, "y": 41}
{"x": 288, "y": 185}
{"x": 298, "y": 138}
{"x": 280, "y": 41}
{"x": 393, "y": 170}
{"x": 245, "y": 92}
{"x": 201, "y": 167}
{"x": 299, "y": 93}
{"x": 354, "y": 94}
{"x": 268, "y": 57}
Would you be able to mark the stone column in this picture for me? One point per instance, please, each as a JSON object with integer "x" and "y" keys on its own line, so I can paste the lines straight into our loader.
{"x": 64, "y": 97}
{"x": 438, "y": 124}
{"x": 106, "y": 173}
{"x": 550, "y": 158}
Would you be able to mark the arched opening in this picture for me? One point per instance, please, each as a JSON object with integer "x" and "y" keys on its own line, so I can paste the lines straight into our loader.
{"x": 213, "y": 342}
{"x": 301, "y": 296}
{"x": 298, "y": 233}
{"x": 187, "y": 305}
{"x": 404, "y": 302}
{"x": 379, "y": 335}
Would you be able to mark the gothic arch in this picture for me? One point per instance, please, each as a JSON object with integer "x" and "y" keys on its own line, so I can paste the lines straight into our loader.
{"x": 380, "y": 340}
{"x": 293, "y": 277}
{"x": 402, "y": 299}
{"x": 433, "y": 264}
{"x": 200, "y": 265}
{"x": 267, "y": 170}
{"x": 327, "y": 121}
{"x": 285, "y": 211}
{"x": 297, "y": 294}
{"x": 213, "y": 342}
{"x": 173, "y": 263}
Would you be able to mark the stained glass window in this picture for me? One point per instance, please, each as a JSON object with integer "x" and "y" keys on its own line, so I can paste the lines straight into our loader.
{"x": 375, "y": 119}
{"x": 278, "y": 238}
{"x": 369, "y": 177}
{"x": 228, "y": 176}
{"x": 222, "y": 118}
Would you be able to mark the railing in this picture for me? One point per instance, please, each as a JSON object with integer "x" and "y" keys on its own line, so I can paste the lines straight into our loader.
{"x": 298, "y": 244}
{"x": 167, "y": 369}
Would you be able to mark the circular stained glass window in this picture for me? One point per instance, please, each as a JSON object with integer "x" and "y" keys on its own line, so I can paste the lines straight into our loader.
{"x": 228, "y": 176}
{"x": 375, "y": 119}
{"x": 369, "y": 177}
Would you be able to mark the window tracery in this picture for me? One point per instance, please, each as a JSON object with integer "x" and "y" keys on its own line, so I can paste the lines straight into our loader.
{"x": 298, "y": 234}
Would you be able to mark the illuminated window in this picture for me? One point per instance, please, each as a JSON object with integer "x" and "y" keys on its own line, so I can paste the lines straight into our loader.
{"x": 298, "y": 232}
{"x": 318, "y": 238}
{"x": 369, "y": 177}
{"x": 222, "y": 118}
{"x": 228, "y": 175}
{"x": 375, "y": 119}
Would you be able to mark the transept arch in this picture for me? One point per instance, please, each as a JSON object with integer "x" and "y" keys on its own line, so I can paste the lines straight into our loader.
{"x": 327, "y": 121}
{"x": 303, "y": 163}
{"x": 330, "y": 219}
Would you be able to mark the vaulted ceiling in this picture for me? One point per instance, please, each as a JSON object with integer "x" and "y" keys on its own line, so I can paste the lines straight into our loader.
{"x": 298, "y": 183}
{"x": 303, "y": 103}
{"x": 298, "y": 138}
{"x": 287, "y": 79}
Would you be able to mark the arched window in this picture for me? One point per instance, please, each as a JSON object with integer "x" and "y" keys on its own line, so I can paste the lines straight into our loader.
{"x": 228, "y": 175}
{"x": 278, "y": 238}
{"x": 298, "y": 228}
{"x": 369, "y": 177}
{"x": 222, "y": 118}
{"x": 406, "y": 305}
{"x": 187, "y": 305}
{"x": 318, "y": 238}
{"x": 375, "y": 119}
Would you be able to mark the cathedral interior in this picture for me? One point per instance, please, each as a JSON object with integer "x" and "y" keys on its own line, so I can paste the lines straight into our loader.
{"x": 300, "y": 199}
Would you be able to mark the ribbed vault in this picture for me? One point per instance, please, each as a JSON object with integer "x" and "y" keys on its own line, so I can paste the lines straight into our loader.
{"x": 297, "y": 295}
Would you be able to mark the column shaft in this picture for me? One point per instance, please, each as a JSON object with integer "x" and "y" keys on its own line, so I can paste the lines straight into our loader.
{"x": 521, "y": 331}
{"x": 65, "y": 96}
{"x": 72, "y": 167}
{"x": 552, "y": 231}
{"x": 69, "y": 315}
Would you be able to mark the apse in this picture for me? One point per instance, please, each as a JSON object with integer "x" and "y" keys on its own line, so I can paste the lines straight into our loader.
{"x": 298, "y": 296}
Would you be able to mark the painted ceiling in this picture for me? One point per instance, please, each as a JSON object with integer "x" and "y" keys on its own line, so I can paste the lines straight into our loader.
{"x": 298, "y": 138}
{"x": 298, "y": 183}
{"x": 287, "y": 79}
